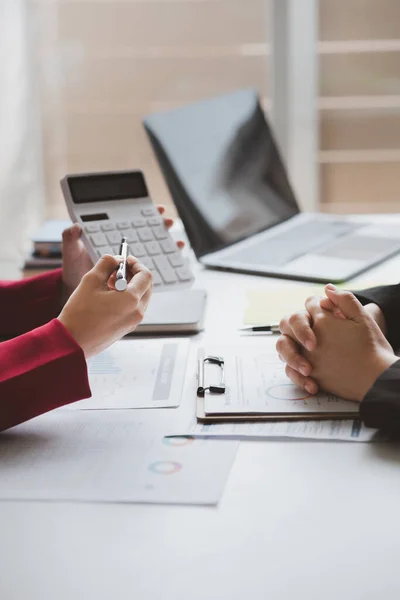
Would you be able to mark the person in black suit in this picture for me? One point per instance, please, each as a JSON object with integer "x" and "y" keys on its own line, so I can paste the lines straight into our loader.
{"x": 344, "y": 344}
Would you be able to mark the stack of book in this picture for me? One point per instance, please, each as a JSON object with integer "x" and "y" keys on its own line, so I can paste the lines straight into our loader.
{"x": 47, "y": 246}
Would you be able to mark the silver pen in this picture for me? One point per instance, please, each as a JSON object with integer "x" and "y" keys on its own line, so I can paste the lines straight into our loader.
{"x": 121, "y": 283}
{"x": 262, "y": 329}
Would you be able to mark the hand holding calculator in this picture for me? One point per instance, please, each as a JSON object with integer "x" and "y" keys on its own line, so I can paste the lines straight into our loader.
{"x": 114, "y": 205}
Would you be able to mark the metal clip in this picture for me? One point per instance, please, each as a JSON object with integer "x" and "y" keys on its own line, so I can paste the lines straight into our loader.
{"x": 213, "y": 389}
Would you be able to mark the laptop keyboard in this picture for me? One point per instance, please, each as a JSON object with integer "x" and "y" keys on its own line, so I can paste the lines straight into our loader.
{"x": 356, "y": 248}
{"x": 298, "y": 240}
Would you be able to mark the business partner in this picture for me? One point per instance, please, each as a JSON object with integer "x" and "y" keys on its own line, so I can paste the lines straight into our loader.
{"x": 345, "y": 344}
{"x": 59, "y": 319}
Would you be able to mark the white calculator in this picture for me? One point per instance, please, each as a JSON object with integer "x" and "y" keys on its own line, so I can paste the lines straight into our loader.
{"x": 116, "y": 204}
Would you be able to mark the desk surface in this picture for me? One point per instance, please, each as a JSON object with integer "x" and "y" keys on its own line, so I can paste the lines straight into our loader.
{"x": 304, "y": 520}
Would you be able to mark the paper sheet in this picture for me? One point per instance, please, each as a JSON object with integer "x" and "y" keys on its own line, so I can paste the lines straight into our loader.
{"x": 341, "y": 430}
{"x": 267, "y": 306}
{"x": 256, "y": 383}
{"x": 110, "y": 456}
{"x": 137, "y": 374}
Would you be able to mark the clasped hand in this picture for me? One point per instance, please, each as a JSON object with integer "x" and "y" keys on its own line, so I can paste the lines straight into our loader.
{"x": 335, "y": 344}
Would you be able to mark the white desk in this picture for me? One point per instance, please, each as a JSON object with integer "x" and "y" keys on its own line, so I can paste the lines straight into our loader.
{"x": 298, "y": 520}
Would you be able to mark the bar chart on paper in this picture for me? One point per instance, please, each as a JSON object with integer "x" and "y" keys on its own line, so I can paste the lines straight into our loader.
{"x": 104, "y": 364}
{"x": 137, "y": 374}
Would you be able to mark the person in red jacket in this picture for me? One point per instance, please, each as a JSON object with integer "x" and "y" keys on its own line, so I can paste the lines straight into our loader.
{"x": 58, "y": 320}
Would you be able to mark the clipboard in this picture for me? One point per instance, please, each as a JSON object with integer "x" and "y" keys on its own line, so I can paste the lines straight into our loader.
{"x": 206, "y": 385}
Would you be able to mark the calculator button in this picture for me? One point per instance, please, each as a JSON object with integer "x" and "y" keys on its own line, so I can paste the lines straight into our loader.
{"x": 160, "y": 233}
{"x": 92, "y": 228}
{"x": 176, "y": 259}
{"x": 168, "y": 246}
{"x": 148, "y": 262}
{"x": 114, "y": 237}
{"x": 104, "y": 250}
{"x": 131, "y": 235}
{"x": 165, "y": 269}
{"x": 123, "y": 224}
{"x": 154, "y": 221}
{"x": 137, "y": 250}
{"x": 153, "y": 248}
{"x": 145, "y": 234}
{"x": 139, "y": 222}
{"x": 156, "y": 278}
{"x": 184, "y": 274}
{"x": 148, "y": 212}
{"x": 98, "y": 239}
{"x": 116, "y": 249}
{"x": 107, "y": 226}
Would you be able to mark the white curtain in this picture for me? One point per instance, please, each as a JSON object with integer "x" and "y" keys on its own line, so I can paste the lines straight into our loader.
{"x": 21, "y": 171}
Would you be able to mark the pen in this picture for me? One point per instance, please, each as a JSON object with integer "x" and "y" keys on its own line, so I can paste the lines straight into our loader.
{"x": 121, "y": 283}
{"x": 262, "y": 328}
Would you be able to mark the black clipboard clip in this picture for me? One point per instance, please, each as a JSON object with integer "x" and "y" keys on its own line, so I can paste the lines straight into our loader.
{"x": 213, "y": 389}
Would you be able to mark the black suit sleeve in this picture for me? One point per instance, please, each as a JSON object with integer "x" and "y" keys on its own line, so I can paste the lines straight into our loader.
{"x": 388, "y": 299}
{"x": 380, "y": 408}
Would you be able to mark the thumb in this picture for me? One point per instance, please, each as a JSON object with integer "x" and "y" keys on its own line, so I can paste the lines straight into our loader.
{"x": 103, "y": 269}
{"x": 72, "y": 234}
{"x": 346, "y": 302}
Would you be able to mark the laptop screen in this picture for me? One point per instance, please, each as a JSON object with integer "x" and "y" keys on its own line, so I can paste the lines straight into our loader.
{"x": 249, "y": 189}
{"x": 219, "y": 157}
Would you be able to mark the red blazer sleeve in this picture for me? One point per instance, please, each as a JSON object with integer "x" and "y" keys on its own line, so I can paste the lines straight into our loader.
{"x": 39, "y": 371}
{"x": 29, "y": 303}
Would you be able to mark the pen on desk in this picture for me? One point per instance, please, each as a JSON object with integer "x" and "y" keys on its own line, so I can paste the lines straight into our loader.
{"x": 121, "y": 283}
{"x": 262, "y": 328}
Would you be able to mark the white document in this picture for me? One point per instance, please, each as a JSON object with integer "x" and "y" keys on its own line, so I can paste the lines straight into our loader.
{"x": 342, "y": 430}
{"x": 137, "y": 374}
{"x": 256, "y": 383}
{"x": 110, "y": 456}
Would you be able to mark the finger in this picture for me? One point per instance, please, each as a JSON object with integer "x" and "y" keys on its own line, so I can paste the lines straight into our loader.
{"x": 146, "y": 299}
{"x": 168, "y": 222}
{"x": 131, "y": 261}
{"x": 289, "y": 352}
{"x": 103, "y": 269}
{"x": 328, "y": 305}
{"x": 313, "y": 306}
{"x": 160, "y": 208}
{"x": 298, "y": 326}
{"x": 305, "y": 383}
{"x": 140, "y": 310}
{"x": 141, "y": 279}
{"x": 72, "y": 233}
{"x": 346, "y": 302}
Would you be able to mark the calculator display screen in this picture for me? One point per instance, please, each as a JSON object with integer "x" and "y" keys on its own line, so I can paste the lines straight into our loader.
{"x": 106, "y": 187}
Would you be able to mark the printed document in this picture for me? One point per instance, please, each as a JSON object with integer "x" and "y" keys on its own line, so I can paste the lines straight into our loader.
{"x": 347, "y": 430}
{"x": 256, "y": 383}
{"x": 111, "y": 456}
{"x": 137, "y": 374}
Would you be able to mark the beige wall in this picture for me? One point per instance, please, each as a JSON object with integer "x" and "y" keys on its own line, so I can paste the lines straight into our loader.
{"x": 104, "y": 64}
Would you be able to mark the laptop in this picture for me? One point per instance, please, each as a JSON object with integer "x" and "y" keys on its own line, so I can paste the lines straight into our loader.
{"x": 230, "y": 187}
